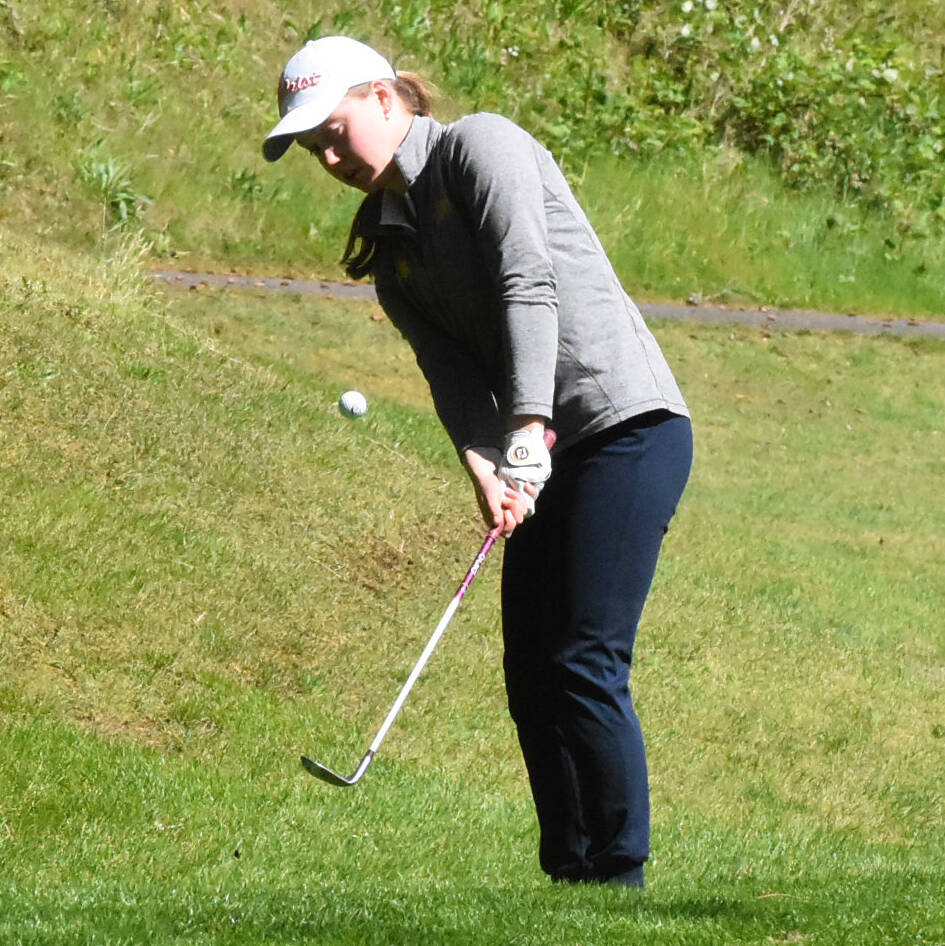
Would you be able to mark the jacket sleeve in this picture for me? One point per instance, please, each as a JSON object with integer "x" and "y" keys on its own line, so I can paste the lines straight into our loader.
{"x": 496, "y": 175}
{"x": 461, "y": 394}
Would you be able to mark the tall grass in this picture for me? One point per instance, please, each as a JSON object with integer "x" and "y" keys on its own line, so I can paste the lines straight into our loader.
{"x": 721, "y": 230}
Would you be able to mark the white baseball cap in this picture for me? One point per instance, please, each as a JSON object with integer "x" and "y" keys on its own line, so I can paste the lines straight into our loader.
{"x": 314, "y": 82}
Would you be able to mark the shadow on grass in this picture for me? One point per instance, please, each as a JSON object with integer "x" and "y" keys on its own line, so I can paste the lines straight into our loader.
{"x": 712, "y": 908}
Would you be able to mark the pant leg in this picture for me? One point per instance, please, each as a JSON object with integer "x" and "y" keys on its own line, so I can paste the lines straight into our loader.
{"x": 575, "y": 579}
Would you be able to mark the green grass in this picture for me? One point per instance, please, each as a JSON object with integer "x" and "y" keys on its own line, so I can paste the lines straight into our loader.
{"x": 153, "y": 117}
{"x": 238, "y": 851}
{"x": 207, "y": 571}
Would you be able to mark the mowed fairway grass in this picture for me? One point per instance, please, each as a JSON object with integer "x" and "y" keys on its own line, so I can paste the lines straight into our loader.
{"x": 206, "y": 571}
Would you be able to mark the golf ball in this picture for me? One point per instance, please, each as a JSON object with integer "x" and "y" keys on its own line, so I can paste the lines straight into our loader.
{"x": 352, "y": 404}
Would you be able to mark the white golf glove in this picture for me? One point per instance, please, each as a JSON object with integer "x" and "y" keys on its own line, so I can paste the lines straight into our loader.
{"x": 525, "y": 459}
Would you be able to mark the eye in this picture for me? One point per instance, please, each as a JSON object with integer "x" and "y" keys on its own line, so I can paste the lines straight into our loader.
{"x": 308, "y": 145}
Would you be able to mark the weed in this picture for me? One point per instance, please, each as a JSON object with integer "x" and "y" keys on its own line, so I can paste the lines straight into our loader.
{"x": 109, "y": 181}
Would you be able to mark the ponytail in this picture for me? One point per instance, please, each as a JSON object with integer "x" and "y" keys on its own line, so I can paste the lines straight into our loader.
{"x": 414, "y": 93}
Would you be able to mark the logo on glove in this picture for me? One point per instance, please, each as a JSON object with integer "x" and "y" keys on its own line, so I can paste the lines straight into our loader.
{"x": 521, "y": 454}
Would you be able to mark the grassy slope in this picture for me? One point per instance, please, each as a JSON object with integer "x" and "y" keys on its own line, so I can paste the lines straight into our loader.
{"x": 195, "y": 587}
{"x": 170, "y": 102}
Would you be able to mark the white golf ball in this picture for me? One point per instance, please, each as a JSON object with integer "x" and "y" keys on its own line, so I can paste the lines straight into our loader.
{"x": 352, "y": 404}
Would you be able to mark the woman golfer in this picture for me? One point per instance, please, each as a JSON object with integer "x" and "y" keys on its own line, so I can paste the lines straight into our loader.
{"x": 487, "y": 265}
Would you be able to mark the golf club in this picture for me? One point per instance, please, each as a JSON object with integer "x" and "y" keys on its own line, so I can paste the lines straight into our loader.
{"x": 326, "y": 774}
{"x": 333, "y": 778}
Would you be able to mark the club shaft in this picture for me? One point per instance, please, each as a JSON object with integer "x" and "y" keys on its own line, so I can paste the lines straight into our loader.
{"x": 434, "y": 640}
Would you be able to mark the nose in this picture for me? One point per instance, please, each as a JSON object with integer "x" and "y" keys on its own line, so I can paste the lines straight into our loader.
{"x": 330, "y": 157}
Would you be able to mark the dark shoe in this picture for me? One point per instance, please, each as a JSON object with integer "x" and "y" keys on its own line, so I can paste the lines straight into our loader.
{"x": 629, "y": 878}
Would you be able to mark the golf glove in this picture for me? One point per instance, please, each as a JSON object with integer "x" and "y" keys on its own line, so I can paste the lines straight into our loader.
{"x": 525, "y": 459}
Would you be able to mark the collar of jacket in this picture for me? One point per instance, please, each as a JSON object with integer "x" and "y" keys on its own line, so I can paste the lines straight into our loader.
{"x": 385, "y": 211}
{"x": 412, "y": 155}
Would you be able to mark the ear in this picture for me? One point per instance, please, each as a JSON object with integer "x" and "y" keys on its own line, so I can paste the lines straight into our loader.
{"x": 385, "y": 95}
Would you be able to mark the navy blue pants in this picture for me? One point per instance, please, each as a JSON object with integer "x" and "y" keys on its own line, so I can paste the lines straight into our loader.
{"x": 574, "y": 582}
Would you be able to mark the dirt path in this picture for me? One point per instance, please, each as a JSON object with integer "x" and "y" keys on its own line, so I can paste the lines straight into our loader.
{"x": 768, "y": 318}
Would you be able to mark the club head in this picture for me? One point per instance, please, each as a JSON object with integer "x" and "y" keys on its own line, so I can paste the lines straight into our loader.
{"x": 325, "y": 774}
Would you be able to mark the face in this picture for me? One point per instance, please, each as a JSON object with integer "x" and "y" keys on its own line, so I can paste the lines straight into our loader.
{"x": 356, "y": 143}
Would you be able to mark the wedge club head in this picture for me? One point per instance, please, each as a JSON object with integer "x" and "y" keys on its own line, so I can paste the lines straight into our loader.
{"x": 333, "y": 778}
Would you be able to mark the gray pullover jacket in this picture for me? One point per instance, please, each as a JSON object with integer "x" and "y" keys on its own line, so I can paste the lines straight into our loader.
{"x": 491, "y": 271}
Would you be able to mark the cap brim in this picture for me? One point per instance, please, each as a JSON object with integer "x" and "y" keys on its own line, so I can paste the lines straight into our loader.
{"x": 303, "y": 118}
{"x": 275, "y": 147}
